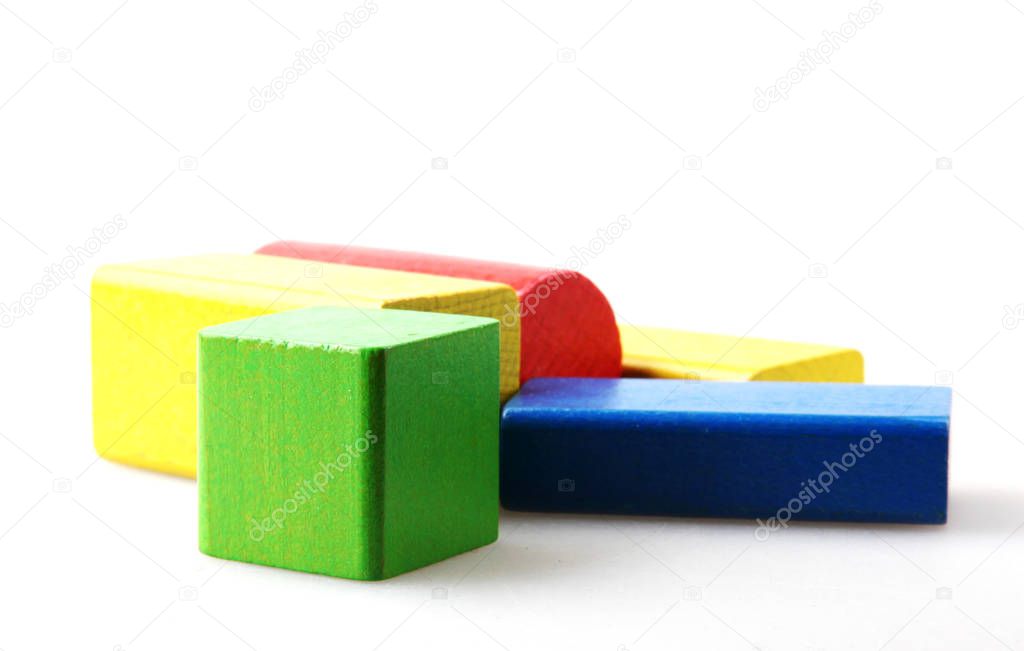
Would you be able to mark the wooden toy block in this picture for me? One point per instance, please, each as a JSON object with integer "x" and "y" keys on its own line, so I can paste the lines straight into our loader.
{"x": 769, "y": 450}
{"x": 664, "y": 353}
{"x": 568, "y": 328}
{"x": 146, "y": 315}
{"x": 354, "y": 443}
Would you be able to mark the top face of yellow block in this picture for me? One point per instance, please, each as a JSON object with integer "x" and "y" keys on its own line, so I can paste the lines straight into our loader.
{"x": 146, "y": 317}
{"x": 278, "y": 284}
{"x": 365, "y": 285}
{"x": 665, "y": 353}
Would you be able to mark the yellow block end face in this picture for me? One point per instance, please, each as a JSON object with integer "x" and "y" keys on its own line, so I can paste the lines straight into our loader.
{"x": 840, "y": 365}
{"x": 665, "y": 353}
{"x": 146, "y": 317}
{"x": 496, "y": 302}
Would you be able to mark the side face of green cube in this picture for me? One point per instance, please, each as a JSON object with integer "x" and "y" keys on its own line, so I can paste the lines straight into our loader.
{"x": 290, "y": 470}
{"x": 441, "y": 448}
{"x": 360, "y": 459}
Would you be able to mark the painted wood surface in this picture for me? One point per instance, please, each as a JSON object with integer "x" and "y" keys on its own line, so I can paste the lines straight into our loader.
{"x": 782, "y": 450}
{"x": 666, "y": 353}
{"x": 355, "y": 443}
{"x": 145, "y": 317}
{"x": 568, "y": 328}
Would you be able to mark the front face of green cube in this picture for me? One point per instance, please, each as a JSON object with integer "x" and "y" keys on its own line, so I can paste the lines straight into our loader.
{"x": 354, "y": 462}
{"x": 288, "y": 465}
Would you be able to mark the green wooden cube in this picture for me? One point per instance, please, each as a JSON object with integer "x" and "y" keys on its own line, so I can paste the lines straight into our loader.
{"x": 348, "y": 442}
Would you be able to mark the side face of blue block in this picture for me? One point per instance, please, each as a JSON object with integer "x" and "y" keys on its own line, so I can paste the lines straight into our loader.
{"x": 783, "y": 450}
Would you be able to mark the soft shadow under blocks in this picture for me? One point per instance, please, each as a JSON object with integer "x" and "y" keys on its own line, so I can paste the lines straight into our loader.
{"x": 774, "y": 450}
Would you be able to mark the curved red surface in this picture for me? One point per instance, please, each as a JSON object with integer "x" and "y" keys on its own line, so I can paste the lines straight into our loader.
{"x": 568, "y": 328}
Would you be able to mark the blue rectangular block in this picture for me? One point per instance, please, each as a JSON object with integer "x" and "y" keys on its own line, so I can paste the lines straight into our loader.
{"x": 774, "y": 450}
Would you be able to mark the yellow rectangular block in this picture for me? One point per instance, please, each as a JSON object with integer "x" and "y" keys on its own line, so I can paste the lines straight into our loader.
{"x": 145, "y": 317}
{"x": 665, "y": 353}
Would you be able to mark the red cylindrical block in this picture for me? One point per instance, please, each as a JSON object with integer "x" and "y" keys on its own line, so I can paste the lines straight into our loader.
{"x": 568, "y": 327}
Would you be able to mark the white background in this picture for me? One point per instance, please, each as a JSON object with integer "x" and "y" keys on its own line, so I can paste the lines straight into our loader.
{"x": 922, "y": 266}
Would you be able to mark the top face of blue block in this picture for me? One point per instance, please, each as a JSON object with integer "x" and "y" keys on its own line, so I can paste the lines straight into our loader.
{"x": 794, "y": 399}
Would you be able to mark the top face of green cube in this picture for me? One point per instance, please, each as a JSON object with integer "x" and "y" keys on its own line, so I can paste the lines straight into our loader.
{"x": 346, "y": 328}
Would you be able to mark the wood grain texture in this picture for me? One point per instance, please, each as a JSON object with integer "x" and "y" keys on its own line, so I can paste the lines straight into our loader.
{"x": 814, "y": 451}
{"x": 568, "y": 328}
{"x": 354, "y": 443}
{"x": 145, "y": 317}
{"x": 665, "y": 353}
